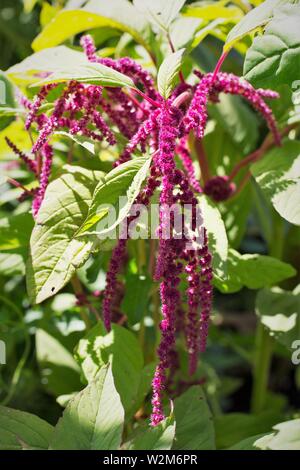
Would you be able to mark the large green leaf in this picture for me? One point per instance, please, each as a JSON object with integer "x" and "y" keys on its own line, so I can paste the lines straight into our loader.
{"x": 117, "y": 14}
{"x": 23, "y": 431}
{"x": 194, "y": 425}
{"x": 168, "y": 72}
{"x": 253, "y": 271}
{"x": 157, "y": 438}
{"x": 279, "y": 311}
{"x": 274, "y": 58}
{"x": 278, "y": 175}
{"x": 217, "y": 238}
{"x": 93, "y": 419}
{"x": 285, "y": 437}
{"x": 123, "y": 181}
{"x": 255, "y": 19}
{"x": 212, "y": 10}
{"x": 60, "y": 371}
{"x": 65, "y": 64}
{"x": 120, "y": 348}
{"x": 235, "y": 427}
{"x": 55, "y": 253}
{"x": 160, "y": 12}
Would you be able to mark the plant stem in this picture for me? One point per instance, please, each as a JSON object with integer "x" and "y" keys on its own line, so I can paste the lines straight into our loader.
{"x": 77, "y": 287}
{"x": 219, "y": 64}
{"x": 264, "y": 342}
{"x": 202, "y": 159}
{"x": 262, "y": 362}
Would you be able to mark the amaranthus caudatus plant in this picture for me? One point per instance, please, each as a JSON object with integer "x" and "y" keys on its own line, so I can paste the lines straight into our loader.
{"x": 140, "y": 168}
{"x": 148, "y": 120}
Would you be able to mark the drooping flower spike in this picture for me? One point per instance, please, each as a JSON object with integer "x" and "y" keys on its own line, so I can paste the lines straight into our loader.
{"x": 164, "y": 126}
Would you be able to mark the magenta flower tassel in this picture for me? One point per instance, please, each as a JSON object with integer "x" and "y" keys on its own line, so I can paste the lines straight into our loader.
{"x": 47, "y": 154}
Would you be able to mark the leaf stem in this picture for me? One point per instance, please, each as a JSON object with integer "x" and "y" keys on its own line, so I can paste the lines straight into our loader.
{"x": 219, "y": 65}
{"x": 156, "y": 104}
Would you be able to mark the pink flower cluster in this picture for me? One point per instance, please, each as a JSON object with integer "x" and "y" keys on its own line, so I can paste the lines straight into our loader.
{"x": 164, "y": 126}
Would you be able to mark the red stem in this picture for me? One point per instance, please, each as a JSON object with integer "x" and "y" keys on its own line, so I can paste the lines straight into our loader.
{"x": 219, "y": 64}
{"x": 147, "y": 98}
{"x": 16, "y": 184}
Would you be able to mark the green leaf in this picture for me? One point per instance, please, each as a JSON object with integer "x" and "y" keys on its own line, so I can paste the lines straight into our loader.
{"x": 194, "y": 425}
{"x": 123, "y": 181}
{"x": 93, "y": 419}
{"x": 168, "y": 71}
{"x": 7, "y": 101}
{"x": 253, "y": 271}
{"x": 246, "y": 444}
{"x": 212, "y": 11}
{"x": 146, "y": 377}
{"x": 11, "y": 264}
{"x": 285, "y": 437}
{"x": 23, "y": 431}
{"x": 121, "y": 349}
{"x": 279, "y": 311}
{"x": 159, "y": 12}
{"x": 117, "y": 14}
{"x": 29, "y": 5}
{"x": 15, "y": 232}
{"x": 60, "y": 371}
{"x": 83, "y": 141}
{"x": 274, "y": 58}
{"x": 217, "y": 238}
{"x": 55, "y": 253}
{"x": 93, "y": 73}
{"x": 278, "y": 175}
{"x": 136, "y": 297}
{"x": 253, "y": 20}
{"x": 234, "y": 427}
{"x": 65, "y": 64}
{"x": 155, "y": 438}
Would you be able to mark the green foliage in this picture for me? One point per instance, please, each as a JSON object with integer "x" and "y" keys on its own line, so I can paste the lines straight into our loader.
{"x": 93, "y": 419}
{"x": 273, "y": 59}
{"x": 23, "y": 431}
{"x": 159, "y": 438}
{"x": 119, "y": 348}
{"x": 278, "y": 311}
{"x": 168, "y": 72}
{"x": 278, "y": 176}
{"x": 253, "y": 271}
{"x": 194, "y": 429}
{"x": 53, "y": 268}
{"x": 55, "y": 252}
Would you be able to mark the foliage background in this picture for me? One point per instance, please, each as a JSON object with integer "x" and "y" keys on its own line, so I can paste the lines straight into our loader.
{"x": 41, "y": 338}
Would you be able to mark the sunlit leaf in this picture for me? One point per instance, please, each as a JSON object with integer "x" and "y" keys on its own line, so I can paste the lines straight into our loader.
{"x": 23, "y": 431}
{"x": 168, "y": 72}
{"x": 93, "y": 419}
